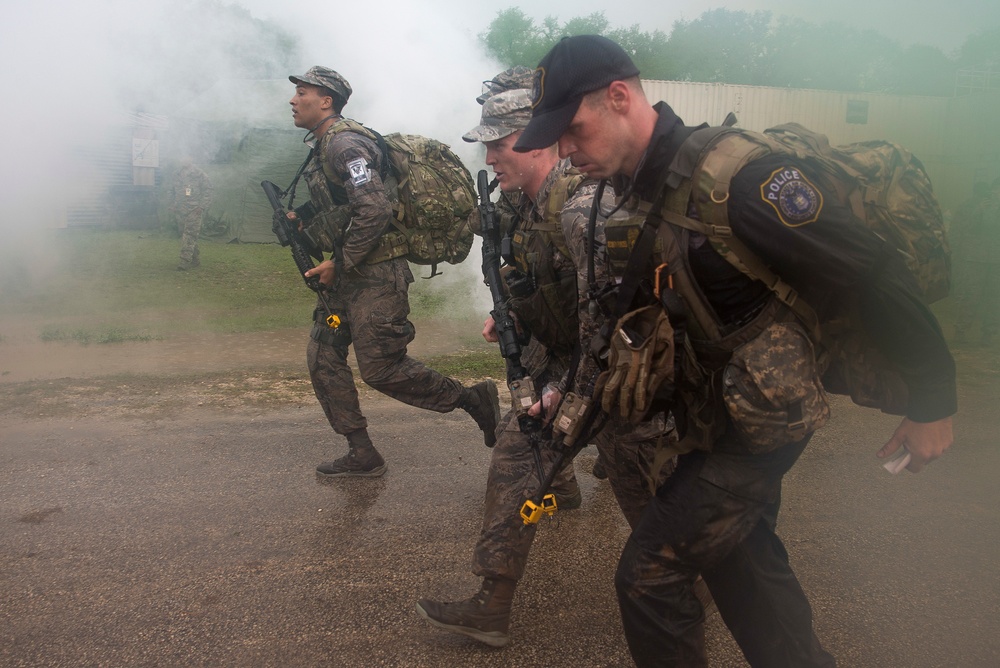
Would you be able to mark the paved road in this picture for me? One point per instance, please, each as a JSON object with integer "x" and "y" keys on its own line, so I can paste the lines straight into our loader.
{"x": 202, "y": 538}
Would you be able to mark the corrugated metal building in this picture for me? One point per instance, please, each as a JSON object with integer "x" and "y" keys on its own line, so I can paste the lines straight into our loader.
{"x": 957, "y": 138}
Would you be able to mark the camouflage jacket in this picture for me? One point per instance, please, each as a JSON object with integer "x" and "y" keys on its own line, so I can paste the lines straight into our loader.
{"x": 552, "y": 247}
{"x": 192, "y": 189}
{"x": 352, "y": 164}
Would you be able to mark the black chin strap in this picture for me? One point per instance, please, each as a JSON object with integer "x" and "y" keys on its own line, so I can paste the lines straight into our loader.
{"x": 311, "y": 135}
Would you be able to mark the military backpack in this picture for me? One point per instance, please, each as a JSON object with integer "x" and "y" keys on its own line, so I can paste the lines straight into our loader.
{"x": 887, "y": 188}
{"x": 435, "y": 195}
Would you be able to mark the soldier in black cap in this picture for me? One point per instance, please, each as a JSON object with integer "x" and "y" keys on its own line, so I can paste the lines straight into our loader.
{"x": 716, "y": 514}
{"x": 368, "y": 279}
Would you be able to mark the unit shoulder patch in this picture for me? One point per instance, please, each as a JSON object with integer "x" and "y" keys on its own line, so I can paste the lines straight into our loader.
{"x": 794, "y": 198}
{"x": 359, "y": 172}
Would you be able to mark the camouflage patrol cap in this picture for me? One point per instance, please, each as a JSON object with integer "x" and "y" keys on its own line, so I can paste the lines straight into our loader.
{"x": 503, "y": 114}
{"x": 326, "y": 78}
{"x": 509, "y": 79}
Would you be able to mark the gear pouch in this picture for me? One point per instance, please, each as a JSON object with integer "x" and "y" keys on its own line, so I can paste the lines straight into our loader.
{"x": 772, "y": 389}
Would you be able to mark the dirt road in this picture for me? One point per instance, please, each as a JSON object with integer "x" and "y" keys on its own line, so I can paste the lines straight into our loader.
{"x": 172, "y": 517}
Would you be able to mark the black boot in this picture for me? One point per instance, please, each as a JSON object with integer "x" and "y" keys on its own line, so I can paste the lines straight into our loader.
{"x": 482, "y": 402}
{"x": 484, "y": 617}
{"x": 362, "y": 461}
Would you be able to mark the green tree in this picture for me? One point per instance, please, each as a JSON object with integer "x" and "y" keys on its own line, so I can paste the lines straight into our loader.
{"x": 514, "y": 39}
{"x": 721, "y": 45}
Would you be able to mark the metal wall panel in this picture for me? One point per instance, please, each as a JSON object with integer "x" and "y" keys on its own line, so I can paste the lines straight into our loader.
{"x": 956, "y": 138}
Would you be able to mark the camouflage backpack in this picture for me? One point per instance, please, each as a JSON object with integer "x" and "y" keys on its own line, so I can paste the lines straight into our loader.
{"x": 887, "y": 188}
{"x": 436, "y": 196}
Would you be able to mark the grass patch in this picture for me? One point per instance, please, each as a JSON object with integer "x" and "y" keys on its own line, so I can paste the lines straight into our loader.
{"x": 86, "y": 337}
{"x": 472, "y": 364}
{"x": 125, "y": 287}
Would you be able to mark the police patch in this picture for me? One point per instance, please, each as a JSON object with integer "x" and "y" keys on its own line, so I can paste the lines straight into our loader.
{"x": 359, "y": 173}
{"x": 537, "y": 87}
{"x": 795, "y": 200}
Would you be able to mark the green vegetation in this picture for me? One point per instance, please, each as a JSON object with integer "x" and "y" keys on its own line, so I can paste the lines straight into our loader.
{"x": 756, "y": 48}
{"x": 111, "y": 286}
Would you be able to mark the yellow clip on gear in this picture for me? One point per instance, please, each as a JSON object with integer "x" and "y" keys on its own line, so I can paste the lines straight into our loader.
{"x": 333, "y": 321}
{"x": 532, "y": 512}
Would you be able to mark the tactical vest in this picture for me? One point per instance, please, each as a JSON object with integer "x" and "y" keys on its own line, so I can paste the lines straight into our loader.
{"x": 551, "y": 309}
{"x": 329, "y": 196}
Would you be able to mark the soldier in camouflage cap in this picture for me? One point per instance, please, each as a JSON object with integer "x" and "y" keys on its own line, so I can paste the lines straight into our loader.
{"x": 503, "y": 114}
{"x": 551, "y": 203}
{"x": 511, "y": 79}
{"x": 324, "y": 77}
{"x": 351, "y": 190}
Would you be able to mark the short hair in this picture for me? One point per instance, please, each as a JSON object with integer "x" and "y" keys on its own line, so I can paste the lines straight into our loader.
{"x": 338, "y": 102}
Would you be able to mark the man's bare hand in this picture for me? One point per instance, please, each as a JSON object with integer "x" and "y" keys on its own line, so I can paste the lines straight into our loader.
{"x": 549, "y": 402}
{"x": 926, "y": 441}
{"x": 325, "y": 271}
{"x": 490, "y": 330}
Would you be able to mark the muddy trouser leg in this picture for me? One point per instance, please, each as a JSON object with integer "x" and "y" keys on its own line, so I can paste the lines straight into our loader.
{"x": 504, "y": 542}
{"x": 333, "y": 383}
{"x": 378, "y": 311}
{"x": 628, "y": 461}
{"x": 715, "y": 515}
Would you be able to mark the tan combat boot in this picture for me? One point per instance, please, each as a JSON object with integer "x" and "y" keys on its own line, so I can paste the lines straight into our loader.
{"x": 484, "y": 617}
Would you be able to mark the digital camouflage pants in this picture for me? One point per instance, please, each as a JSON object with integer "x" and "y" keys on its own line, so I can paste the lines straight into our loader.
{"x": 190, "y": 220}
{"x": 505, "y": 541}
{"x": 373, "y": 300}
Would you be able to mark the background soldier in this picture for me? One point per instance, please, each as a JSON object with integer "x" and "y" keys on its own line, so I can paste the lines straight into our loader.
{"x": 369, "y": 278}
{"x": 191, "y": 197}
{"x": 547, "y": 284}
{"x": 716, "y": 513}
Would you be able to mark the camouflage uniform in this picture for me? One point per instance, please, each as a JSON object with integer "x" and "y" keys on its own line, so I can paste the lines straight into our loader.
{"x": 549, "y": 243}
{"x": 716, "y": 514}
{"x": 369, "y": 296}
{"x": 191, "y": 197}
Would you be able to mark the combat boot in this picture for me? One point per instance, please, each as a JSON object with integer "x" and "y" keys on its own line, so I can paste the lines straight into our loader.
{"x": 482, "y": 402}
{"x": 484, "y": 617}
{"x": 361, "y": 461}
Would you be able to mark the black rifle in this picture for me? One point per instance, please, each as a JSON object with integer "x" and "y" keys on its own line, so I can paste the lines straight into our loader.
{"x": 303, "y": 250}
{"x": 521, "y": 386}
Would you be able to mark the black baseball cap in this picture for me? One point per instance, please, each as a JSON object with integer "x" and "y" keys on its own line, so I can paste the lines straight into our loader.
{"x": 574, "y": 67}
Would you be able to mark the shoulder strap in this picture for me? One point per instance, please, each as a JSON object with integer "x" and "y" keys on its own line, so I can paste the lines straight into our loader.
{"x": 719, "y": 162}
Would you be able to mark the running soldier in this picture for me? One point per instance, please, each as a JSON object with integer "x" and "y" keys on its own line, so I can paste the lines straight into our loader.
{"x": 368, "y": 281}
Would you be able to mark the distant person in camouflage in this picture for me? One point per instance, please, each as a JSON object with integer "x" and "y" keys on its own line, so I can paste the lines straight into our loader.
{"x": 975, "y": 237}
{"x": 368, "y": 280}
{"x": 550, "y": 203}
{"x": 191, "y": 197}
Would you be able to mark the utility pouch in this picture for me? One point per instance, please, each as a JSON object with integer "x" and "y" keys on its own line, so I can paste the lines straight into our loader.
{"x": 640, "y": 364}
{"x": 570, "y": 418}
{"x": 772, "y": 389}
{"x": 327, "y": 227}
